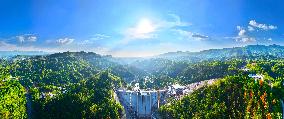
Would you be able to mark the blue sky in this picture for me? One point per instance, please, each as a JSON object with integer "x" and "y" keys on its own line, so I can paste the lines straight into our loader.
{"x": 138, "y": 27}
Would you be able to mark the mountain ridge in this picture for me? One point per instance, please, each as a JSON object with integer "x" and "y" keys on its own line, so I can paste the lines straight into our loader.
{"x": 249, "y": 50}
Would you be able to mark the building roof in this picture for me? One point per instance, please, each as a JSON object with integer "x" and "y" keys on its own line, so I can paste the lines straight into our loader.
{"x": 177, "y": 86}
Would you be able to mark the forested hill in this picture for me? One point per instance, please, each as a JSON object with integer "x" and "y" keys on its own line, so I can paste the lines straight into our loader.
{"x": 68, "y": 62}
{"x": 270, "y": 51}
{"x": 62, "y": 85}
{"x": 236, "y": 97}
{"x": 80, "y": 84}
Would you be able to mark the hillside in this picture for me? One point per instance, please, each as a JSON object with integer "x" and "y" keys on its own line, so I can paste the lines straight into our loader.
{"x": 12, "y": 97}
{"x": 270, "y": 51}
{"x": 82, "y": 84}
{"x": 62, "y": 85}
{"x": 232, "y": 97}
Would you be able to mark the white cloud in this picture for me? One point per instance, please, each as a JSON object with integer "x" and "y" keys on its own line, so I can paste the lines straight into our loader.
{"x": 245, "y": 33}
{"x": 64, "y": 41}
{"x": 189, "y": 35}
{"x": 4, "y": 46}
{"x": 26, "y": 38}
{"x": 8, "y": 44}
{"x": 199, "y": 36}
{"x": 94, "y": 39}
{"x": 262, "y": 26}
{"x": 99, "y": 37}
{"x": 242, "y": 32}
{"x": 269, "y": 39}
{"x": 49, "y": 46}
{"x": 32, "y": 38}
{"x": 21, "y": 39}
{"x": 245, "y": 39}
{"x": 183, "y": 33}
{"x": 239, "y": 27}
{"x": 250, "y": 28}
{"x": 86, "y": 42}
{"x": 176, "y": 22}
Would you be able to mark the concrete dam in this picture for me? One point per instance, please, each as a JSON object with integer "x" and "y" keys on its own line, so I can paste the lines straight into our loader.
{"x": 141, "y": 103}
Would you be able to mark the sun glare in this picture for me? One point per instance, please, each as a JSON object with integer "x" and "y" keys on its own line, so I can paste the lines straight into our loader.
{"x": 145, "y": 26}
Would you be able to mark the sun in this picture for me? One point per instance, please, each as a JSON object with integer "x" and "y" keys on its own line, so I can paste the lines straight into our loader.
{"x": 145, "y": 26}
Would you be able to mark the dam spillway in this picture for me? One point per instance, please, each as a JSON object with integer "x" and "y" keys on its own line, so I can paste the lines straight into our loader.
{"x": 141, "y": 103}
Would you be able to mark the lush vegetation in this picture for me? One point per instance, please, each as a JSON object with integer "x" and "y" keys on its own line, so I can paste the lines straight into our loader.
{"x": 12, "y": 97}
{"x": 169, "y": 72}
{"x": 235, "y": 96}
{"x": 63, "y": 85}
{"x": 232, "y": 97}
{"x": 91, "y": 98}
{"x": 82, "y": 85}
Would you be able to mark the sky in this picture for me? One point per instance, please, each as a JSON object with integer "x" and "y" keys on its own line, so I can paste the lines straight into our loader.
{"x": 137, "y": 28}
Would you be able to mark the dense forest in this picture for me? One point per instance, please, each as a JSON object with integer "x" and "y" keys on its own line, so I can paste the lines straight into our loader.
{"x": 83, "y": 85}
{"x": 12, "y": 96}
{"x": 64, "y": 85}
{"x": 91, "y": 98}
{"x": 235, "y": 96}
{"x": 231, "y": 97}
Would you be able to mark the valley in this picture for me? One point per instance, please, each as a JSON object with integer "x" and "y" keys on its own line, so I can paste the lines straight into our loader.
{"x": 85, "y": 85}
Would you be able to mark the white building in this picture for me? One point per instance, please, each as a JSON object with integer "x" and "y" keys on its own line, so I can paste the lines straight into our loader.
{"x": 256, "y": 76}
{"x": 136, "y": 87}
{"x": 245, "y": 69}
{"x": 176, "y": 89}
